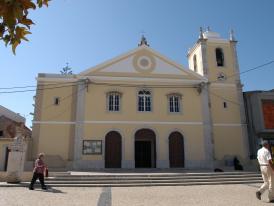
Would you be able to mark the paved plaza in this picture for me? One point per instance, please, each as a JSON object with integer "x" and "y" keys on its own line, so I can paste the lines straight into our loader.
{"x": 217, "y": 195}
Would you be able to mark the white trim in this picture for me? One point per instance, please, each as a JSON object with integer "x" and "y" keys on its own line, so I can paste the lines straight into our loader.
{"x": 222, "y": 85}
{"x": 142, "y": 79}
{"x": 52, "y": 122}
{"x": 55, "y": 79}
{"x": 121, "y": 122}
{"x": 129, "y": 80}
{"x": 143, "y": 122}
{"x": 228, "y": 125}
{"x": 215, "y": 40}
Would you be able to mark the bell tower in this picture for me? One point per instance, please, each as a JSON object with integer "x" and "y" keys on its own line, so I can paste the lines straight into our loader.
{"x": 216, "y": 59}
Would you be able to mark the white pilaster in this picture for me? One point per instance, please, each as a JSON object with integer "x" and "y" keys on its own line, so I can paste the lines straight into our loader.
{"x": 79, "y": 122}
{"x": 241, "y": 101}
{"x": 207, "y": 126}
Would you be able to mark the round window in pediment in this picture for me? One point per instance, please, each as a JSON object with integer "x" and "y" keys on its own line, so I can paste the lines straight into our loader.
{"x": 144, "y": 63}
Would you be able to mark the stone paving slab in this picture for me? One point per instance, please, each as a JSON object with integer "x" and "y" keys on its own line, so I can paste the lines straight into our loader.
{"x": 217, "y": 195}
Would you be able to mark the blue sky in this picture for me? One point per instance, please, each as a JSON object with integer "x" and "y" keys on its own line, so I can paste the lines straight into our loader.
{"x": 87, "y": 32}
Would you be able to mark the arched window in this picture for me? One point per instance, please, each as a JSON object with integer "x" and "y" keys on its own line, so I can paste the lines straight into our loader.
{"x": 195, "y": 63}
{"x": 144, "y": 101}
{"x": 113, "y": 101}
{"x": 174, "y": 103}
{"x": 219, "y": 57}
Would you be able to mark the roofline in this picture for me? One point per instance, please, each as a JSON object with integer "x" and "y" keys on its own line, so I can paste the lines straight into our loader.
{"x": 11, "y": 115}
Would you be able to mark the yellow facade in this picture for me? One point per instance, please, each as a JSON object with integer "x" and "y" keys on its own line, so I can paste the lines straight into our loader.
{"x": 208, "y": 124}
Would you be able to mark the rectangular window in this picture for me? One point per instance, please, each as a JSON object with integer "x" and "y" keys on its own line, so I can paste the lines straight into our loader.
{"x": 147, "y": 104}
{"x": 174, "y": 104}
{"x": 56, "y": 101}
{"x": 141, "y": 104}
{"x": 144, "y": 101}
{"x": 113, "y": 102}
{"x": 1, "y": 133}
{"x": 171, "y": 107}
{"x": 110, "y": 103}
{"x": 116, "y": 103}
{"x": 225, "y": 105}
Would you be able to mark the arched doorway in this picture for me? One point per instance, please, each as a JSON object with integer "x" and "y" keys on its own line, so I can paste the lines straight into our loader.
{"x": 176, "y": 150}
{"x": 145, "y": 149}
{"x": 113, "y": 150}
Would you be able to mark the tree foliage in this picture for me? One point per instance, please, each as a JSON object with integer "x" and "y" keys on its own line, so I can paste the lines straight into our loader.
{"x": 14, "y": 21}
{"x": 66, "y": 70}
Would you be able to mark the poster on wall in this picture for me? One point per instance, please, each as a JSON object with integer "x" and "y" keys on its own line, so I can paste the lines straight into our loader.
{"x": 92, "y": 147}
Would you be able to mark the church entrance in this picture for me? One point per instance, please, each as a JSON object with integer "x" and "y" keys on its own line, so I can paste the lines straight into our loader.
{"x": 145, "y": 149}
{"x": 176, "y": 150}
{"x": 113, "y": 150}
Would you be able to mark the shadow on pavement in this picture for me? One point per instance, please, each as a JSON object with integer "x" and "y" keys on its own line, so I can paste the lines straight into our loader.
{"x": 50, "y": 190}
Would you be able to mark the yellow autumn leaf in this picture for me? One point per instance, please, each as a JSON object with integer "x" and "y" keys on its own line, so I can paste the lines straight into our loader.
{"x": 14, "y": 45}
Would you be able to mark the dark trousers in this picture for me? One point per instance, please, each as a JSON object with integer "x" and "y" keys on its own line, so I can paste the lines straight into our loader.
{"x": 35, "y": 177}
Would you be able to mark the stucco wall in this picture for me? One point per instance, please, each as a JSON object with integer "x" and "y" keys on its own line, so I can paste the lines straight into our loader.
{"x": 228, "y": 141}
{"x": 96, "y": 105}
{"x": 54, "y": 139}
{"x": 193, "y": 139}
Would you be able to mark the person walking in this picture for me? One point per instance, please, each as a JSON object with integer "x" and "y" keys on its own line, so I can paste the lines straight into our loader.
{"x": 38, "y": 172}
{"x": 266, "y": 167}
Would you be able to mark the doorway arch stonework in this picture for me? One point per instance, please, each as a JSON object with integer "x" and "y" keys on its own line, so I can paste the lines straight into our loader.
{"x": 145, "y": 154}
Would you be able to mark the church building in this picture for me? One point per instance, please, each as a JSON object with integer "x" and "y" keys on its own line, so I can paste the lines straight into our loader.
{"x": 143, "y": 110}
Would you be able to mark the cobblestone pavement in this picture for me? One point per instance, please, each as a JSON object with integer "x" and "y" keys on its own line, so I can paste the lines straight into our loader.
{"x": 219, "y": 195}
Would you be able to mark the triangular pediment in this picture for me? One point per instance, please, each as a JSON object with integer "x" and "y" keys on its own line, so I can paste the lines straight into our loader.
{"x": 142, "y": 62}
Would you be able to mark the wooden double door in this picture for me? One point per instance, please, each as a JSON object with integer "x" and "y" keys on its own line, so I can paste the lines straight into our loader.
{"x": 176, "y": 150}
{"x": 145, "y": 149}
{"x": 113, "y": 150}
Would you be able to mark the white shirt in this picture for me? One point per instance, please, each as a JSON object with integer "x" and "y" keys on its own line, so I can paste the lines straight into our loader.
{"x": 263, "y": 156}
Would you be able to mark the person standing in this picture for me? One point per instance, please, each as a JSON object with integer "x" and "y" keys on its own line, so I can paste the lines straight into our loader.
{"x": 38, "y": 172}
{"x": 266, "y": 167}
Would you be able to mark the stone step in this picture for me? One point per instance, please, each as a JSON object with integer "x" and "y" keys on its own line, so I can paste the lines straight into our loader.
{"x": 112, "y": 181}
{"x": 123, "y": 178}
{"x": 64, "y": 175}
{"x": 154, "y": 176}
{"x": 25, "y": 184}
{"x": 95, "y": 179}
